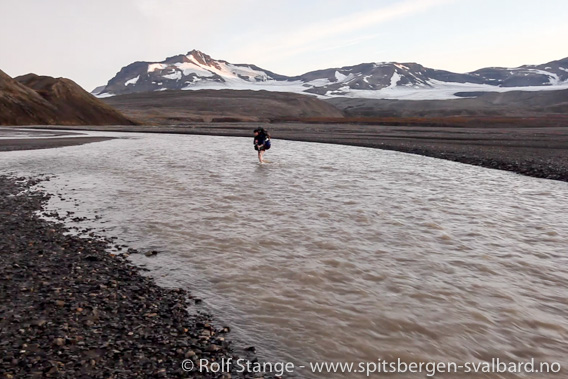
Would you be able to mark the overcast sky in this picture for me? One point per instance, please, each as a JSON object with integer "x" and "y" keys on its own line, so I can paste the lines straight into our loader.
{"x": 89, "y": 41}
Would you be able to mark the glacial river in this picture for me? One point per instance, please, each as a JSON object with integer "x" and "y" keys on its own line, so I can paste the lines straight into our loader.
{"x": 333, "y": 253}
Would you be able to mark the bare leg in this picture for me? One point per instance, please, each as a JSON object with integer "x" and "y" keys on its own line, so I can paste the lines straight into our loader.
{"x": 260, "y": 154}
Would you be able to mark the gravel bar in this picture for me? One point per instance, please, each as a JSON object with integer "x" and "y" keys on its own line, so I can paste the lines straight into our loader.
{"x": 71, "y": 309}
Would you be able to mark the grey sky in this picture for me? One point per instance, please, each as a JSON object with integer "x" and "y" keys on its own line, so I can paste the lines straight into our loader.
{"x": 89, "y": 41}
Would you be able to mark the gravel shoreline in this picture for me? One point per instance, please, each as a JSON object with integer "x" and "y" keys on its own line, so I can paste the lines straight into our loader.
{"x": 46, "y": 143}
{"x": 71, "y": 309}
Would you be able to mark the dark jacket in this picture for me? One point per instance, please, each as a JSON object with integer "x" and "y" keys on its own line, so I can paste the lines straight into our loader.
{"x": 260, "y": 139}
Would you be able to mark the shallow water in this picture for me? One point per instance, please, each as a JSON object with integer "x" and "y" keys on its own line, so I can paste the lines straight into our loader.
{"x": 334, "y": 253}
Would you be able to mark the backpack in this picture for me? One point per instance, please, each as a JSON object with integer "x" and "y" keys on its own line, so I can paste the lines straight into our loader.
{"x": 267, "y": 143}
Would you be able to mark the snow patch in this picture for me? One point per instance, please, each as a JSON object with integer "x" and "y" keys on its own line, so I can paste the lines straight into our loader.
{"x": 395, "y": 78}
{"x": 248, "y": 72}
{"x": 296, "y": 86}
{"x": 318, "y": 83}
{"x": 104, "y": 94}
{"x": 439, "y": 91}
{"x": 433, "y": 90}
{"x": 339, "y": 76}
{"x": 156, "y": 66}
{"x": 552, "y": 77}
{"x": 189, "y": 68}
{"x": 230, "y": 73}
{"x": 132, "y": 81}
{"x": 174, "y": 76}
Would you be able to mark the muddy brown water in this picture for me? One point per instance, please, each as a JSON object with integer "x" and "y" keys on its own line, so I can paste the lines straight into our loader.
{"x": 334, "y": 253}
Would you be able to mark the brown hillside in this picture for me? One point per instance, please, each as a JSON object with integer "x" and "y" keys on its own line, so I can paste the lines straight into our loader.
{"x": 20, "y": 105}
{"x": 179, "y": 107}
{"x": 74, "y": 105}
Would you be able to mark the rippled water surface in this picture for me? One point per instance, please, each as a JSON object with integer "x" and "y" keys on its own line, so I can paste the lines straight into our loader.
{"x": 334, "y": 253}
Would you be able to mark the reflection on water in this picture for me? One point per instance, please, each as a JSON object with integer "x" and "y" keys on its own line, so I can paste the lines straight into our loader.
{"x": 335, "y": 253}
{"x": 23, "y": 133}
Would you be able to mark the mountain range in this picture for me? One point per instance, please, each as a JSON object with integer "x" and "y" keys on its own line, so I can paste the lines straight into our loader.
{"x": 387, "y": 80}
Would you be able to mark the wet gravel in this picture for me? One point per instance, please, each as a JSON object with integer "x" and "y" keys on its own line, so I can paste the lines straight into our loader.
{"x": 69, "y": 308}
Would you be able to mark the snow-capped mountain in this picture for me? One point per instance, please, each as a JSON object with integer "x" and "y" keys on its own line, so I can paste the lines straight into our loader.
{"x": 389, "y": 80}
{"x": 194, "y": 69}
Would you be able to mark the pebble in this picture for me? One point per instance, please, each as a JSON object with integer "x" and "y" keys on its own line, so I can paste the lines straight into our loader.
{"x": 86, "y": 313}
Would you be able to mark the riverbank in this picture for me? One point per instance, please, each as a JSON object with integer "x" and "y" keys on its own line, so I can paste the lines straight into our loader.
{"x": 537, "y": 151}
{"x": 46, "y": 143}
{"x": 69, "y": 308}
{"x": 12, "y": 139}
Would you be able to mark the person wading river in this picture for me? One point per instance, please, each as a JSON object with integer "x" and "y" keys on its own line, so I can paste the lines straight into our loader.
{"x": 261, "y": 142}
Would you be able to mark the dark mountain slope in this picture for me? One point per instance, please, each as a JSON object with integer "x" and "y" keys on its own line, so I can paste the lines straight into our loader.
{"x": 20, "y": 105}
{"x": 178, "y": 107}
{"x": 73, "y": 104}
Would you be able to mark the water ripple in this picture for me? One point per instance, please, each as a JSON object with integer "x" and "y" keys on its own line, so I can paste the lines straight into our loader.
{"x": 333, "y": 252}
